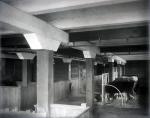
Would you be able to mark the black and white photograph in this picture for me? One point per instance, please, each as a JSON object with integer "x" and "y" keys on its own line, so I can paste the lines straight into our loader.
{"x": 74, "y": 58}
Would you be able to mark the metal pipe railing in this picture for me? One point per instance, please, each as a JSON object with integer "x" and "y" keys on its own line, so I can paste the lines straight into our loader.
{"x": 117, "y": 90}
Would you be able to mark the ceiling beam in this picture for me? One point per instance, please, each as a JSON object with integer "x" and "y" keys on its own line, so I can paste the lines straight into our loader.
{"x": 117, "y": 58}
{"x": 9, "y": 29}
{"x": 17, "y": 18}
{"x": 12, "y": 50}
{"x": 109, "y": 27}
{"x": 131, "y": 56}
{"x": 24, "y": 55}
{"x": 111, "y": 43}
{"x": 135, "y": 57}
{"x": 89, "y": 50}
{"x": 131, "y": 53}
{"x": 103, "y": 16}
{"x": 121, "y": 42}
{"x": 84, "y": 45}
{"x": 11, "y": 53}
{"x": 9, "y": 56}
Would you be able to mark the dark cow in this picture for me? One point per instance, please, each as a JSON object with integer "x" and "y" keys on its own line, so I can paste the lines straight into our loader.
{"x": 124, "y": 84}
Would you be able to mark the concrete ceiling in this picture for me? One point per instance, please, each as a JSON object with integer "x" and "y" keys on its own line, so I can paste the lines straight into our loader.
{"x": 127, "y": 17}
{"x": 49, "y": 6}
{"x": 86, "y": 14}
{"x": 99, "y": 16}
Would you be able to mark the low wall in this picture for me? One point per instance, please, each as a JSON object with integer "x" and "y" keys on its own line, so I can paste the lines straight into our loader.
{"x": 61, "y": 90}
{"x": 28, "y": 94}
{"x": 57, "y": 111}
{"x": 9, "y": 97}
{"x": 26, "y": 97}
{"x": 69, "y": 111}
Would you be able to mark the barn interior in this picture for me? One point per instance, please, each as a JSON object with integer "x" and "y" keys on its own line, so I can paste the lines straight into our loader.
{"x": 78, "y": 59}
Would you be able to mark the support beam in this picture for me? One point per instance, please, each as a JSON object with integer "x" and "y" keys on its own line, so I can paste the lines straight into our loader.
{"x": 9, "y": 56}
{"x": 85, "y": 46}
{"x": 121, "y": 42}
{"x": 119, "y": 59}
{"x": 9, "y": 29}
{"x": 103, "y": 16}
{"x": 15, "y": 50}
{"x": 129, "y": 25}
{"x": 89, "y": 82}
{"x": 24, "y": 55}
{"x": 135, "y": 57}
{"x": 45, "y": 80}
{"x": 24, "y": 73}
{"x": 24, "y": 21}
{"x": 89, "y": 50}
{"x": 131, "y": 53}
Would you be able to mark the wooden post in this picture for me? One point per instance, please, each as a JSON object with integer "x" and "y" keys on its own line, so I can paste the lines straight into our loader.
{"x": 45, "y": 80}
{"x": 24, "y": 73}
{"x": 89, "y": 82}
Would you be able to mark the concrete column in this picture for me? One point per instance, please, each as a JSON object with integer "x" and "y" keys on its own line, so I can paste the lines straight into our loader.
{"x": 24, "y": 73}
{"x": 2, "y": 68}
{"x": 123, "y": 70}
{"x": 79, "y": 82}
{"x": 45, "y": 80}
{"x": 89, "y": 82}
{"x": 69, "y": 71}
{"x": 29, "y": 71}
{"x": 111, "y": 71}
{"x": 119, "y": 70}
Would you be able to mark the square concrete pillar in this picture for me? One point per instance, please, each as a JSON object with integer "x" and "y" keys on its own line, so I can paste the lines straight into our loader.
{"x": 111, "y": 71}
{"x": 123, "y": 70}
{"x": 89, "y": 82}
{"x": 24, "y": 73}
{"x": 45, "y": 80}
{"x": 119, "y": 70}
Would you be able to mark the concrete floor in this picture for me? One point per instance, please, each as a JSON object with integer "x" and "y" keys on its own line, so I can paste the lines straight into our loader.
{"x": 99, "y": 111}
{"x": 72, "y": 100}
{"x": 114, "y": 112}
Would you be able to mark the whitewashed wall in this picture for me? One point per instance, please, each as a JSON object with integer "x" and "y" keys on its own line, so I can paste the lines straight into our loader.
{"x": 61, "y": 90}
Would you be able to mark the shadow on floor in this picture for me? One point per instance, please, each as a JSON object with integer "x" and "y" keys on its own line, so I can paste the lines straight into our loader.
{"x": 114, "y": 112}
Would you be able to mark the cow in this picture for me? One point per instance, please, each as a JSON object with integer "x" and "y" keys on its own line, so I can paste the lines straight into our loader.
{"x": 124, "y": 85}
